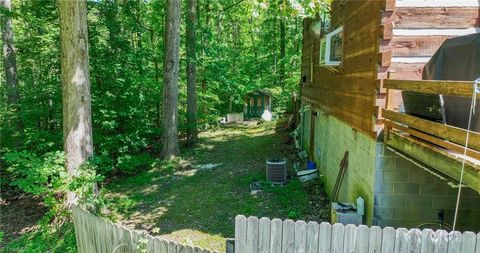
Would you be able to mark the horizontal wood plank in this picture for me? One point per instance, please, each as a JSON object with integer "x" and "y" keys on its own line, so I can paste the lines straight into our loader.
{"x": 432, "y": 17}
{"x": 434, "y": 140}
{"x": 453, "y": 88}
{"x": 413, "y": 45}
{"x": 450, "y": 133}
{"x": 435, "y": 157}
{"x": 407, "y": 71}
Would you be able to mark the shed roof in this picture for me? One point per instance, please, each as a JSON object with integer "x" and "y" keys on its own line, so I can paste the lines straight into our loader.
{"x": 260, "y": 91}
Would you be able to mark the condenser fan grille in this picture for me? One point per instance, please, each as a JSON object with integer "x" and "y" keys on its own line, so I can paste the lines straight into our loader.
{"x": 277, "y": 171}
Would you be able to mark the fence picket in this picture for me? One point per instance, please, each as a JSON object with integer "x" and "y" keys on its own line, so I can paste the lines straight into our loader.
{"x": 477, "y": 248}
{"x": 441, "y": 242}
{"x": 150, "y": 243}
{"x": 172, "y": 247}
{"x": 118, "y": 240}
{"x": 468, "y": 242}
{"x": 288, "y": 236}
{"x": 91, "y": 232}
{"x": 127, "y": 239}
{"x": 276, "y": 228}
{"x": 349, "y": 238}
{"x": 428, "y": 241}
{"x": 187, "y": 249}
{"x": 401, "y": 240}
{"x": 240, "y": 233}
{"x": 454, "y": 242}
{"x": 252, "y": 235}
{"x": 264, "y": 235}
{"x": 313, "y": 230}
{"x": 76, "y": 226}
{"x": 337, "y": 237}
{"x": 160, "y": 245}
{"x": 300, "y": 236}
{"x": 375, "y": 240}
{"x": 414, "y": 240}
{"x": 388, "y": 240}
{"x": 198, "y": 250}
{"x": 136, "y": 243}
{"x": 109, "y": 228}
{"x": 362, "y": 239}
{"x": 325, "y": 238}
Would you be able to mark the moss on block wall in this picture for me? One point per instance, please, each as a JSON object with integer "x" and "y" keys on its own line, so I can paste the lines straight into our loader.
{"x": 406, "y": 195}
{"x": 332, "y": 139}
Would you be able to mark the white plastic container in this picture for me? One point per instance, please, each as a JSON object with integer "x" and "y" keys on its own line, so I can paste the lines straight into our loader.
{"x": 360, "y": 206}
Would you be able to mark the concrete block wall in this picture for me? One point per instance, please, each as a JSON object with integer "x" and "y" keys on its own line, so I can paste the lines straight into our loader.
{"x": 306, "y": 128}
{"x": 332, "y": 139}
{"x": 397, "y": 192}
{"x": 408, "y": 196}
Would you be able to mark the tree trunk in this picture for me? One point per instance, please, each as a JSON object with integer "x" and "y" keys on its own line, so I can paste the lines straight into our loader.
{"x": 282, "y": 46}
{"x": 170, "y": 79}
{"x": 206, "y": 45}
{"x": 9, "y": 59}
{"x": 77, "y": 119}
{"x": 192, "y": 135}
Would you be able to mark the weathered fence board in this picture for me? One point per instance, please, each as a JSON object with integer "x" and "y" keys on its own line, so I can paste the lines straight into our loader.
{"x": 276, "y": 236}
{"x": 263, "y": 235}
{"x": 468, "y": 242}
{"x": 97, "y": 235}
{"x": 325, "y": 236}
{"x": 313, "y": 229}
{"x": 288, "y": 236}
{"x": 300, "y": 236}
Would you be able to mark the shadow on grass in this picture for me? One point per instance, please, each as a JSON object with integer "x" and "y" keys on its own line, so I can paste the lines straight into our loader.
{"x": 209, "y": 200}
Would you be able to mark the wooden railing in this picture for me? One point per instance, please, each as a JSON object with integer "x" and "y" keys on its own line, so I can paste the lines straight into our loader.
{"x": 446, "y": 136}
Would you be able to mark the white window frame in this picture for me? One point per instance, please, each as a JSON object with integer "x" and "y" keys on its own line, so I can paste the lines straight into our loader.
{"x": 323, "y": 43}
{"x": 328, "y": 46}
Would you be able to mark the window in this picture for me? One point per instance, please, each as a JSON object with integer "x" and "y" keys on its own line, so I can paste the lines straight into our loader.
{"x": 331, "y": 48}
{"x": 323, "y": 45}
{"x": 312, "y": 51}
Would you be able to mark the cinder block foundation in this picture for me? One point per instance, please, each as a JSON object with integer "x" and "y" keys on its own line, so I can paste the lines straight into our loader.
{"x": 406, "y": 195}
{"x": 397, "y": 192}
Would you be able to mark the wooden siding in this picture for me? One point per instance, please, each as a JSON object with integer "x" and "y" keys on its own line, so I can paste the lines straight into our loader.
{"x": 414, "y": 17}
{"x": 348, "y": 91}
{"x": 409, "y": 53}
{"x": 373, "y": 49}
{"x": 419, "y": 21}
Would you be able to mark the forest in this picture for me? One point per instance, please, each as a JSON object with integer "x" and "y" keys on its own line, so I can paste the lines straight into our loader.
{"x": 103, "y": 89}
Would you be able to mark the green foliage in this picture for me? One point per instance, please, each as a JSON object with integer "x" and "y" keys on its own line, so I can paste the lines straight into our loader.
{"x": 59, "y": 239}
{"x": 36, "y": 175}
{"x": 238, "y": 52}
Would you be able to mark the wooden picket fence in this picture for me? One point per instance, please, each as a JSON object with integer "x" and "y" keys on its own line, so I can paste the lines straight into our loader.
{"x": 97, "y": 235}
{"x": 263, "y": 235}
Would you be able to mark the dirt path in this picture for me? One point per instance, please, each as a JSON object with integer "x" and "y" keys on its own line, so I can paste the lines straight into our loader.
{"x": 188, "y": 204}
{"x": 19, "y": 214}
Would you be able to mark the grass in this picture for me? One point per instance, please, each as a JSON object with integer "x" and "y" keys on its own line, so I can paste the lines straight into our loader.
{"x": 182, "y": 202}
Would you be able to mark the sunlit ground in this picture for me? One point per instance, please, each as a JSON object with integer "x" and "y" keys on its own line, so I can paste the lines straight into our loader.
{"x": 195, "y": 200}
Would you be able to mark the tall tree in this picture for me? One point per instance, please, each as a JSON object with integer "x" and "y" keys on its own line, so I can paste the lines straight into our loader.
{"x": 170, "y": 81}
{"x": 9, "y": 59}
{"x": 192, "y": 135}
{"x": 282, "y": 43}
{"x": 75, "y": 76}
{"x": 10, "y": 65}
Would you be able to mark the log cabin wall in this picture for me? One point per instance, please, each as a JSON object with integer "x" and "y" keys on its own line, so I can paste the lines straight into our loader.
{"x": 348, "y": 91}
{"x": 413, "y": 32}
{"x": 378, "y": 36}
